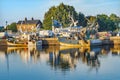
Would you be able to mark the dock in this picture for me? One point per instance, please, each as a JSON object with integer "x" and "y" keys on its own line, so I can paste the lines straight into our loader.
{"x": 115, "y": 40}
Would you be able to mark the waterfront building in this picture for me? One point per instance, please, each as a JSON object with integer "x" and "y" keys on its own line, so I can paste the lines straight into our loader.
{"x": 29, "y": 25}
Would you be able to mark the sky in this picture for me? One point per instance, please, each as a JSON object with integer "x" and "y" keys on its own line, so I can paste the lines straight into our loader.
{"x": 15, "y": 10}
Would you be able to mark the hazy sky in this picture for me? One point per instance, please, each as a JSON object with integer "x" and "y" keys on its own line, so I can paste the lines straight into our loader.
{"x": 15, "y": 10}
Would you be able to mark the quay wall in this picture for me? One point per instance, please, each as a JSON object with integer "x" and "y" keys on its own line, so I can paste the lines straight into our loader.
{"x": 54, "y": 41}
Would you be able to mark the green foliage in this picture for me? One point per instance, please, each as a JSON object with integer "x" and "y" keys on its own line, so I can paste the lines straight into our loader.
{"x": 81, "y": 20}
{"x": 60, "y": 13}
{"x": 107, "y": 23}
{"x": 115, "y": 19}
{"x": 12, "y": 27}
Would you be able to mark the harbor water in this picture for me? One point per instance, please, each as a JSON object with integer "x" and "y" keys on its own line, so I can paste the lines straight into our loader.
{"x": 60, "y": 63}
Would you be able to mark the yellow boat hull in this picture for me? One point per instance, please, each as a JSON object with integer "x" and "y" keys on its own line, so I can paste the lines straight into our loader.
{"x": 81, "y": 44}
{"x": 16, "y": 45}
{"x": 10, "y": 44}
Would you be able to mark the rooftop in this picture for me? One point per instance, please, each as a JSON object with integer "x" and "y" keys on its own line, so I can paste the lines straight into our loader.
{"x": 32, "y": 21}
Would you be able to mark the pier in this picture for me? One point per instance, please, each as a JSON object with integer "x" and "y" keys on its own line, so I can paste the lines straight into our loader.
{"x": 54, "y": 41}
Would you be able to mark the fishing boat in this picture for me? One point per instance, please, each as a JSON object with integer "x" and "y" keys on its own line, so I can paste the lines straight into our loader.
{"x": 96, "y": 42}
{"x": 78, "y": 34}
{"x": 25, "y": 44}
{"x": 11, "y": 44}
{"x": 73, "y": 43}
{"x": 79, "y": 43}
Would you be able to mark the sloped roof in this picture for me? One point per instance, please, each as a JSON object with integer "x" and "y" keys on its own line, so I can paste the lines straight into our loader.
{"x": 29, "y": 22}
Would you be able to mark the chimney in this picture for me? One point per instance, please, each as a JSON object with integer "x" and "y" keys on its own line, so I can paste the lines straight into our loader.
{"x": 32, "y": 18}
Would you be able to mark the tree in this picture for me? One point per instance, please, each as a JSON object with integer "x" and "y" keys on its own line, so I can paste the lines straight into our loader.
{"x": 60, "y": 13}
{"x": 82, "y": 20}
{"x": 12, "y": 27}
{"x": 106, "y": 23}
{"x": 115, "y": 19}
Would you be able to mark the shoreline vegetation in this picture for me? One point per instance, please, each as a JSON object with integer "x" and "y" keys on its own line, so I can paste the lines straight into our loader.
{"x": 61, "y": 14}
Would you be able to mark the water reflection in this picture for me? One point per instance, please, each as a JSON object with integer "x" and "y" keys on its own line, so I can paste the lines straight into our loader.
{"x": 60, "y": 58}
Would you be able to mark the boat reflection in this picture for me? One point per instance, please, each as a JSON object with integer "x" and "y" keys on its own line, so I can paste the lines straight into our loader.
{"x": 60, "y": 58}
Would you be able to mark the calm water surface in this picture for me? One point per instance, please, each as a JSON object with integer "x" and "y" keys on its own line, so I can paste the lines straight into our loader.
{"x": 60, "y": 63}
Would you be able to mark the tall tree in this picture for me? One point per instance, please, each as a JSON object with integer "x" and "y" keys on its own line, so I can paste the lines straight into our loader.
{"x": 82, "y": 20}
{"x": 105, "y": 23}
{"x": 115, "y": 19}
{"x": 60, "y": 13}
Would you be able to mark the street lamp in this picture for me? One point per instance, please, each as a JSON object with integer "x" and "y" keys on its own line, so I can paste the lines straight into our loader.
{"x": 6, "y": 33}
